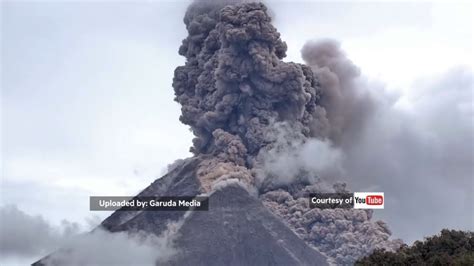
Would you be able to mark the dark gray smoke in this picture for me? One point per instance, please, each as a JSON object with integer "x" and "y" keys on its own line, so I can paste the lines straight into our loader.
{"x": 414, "y": 154}
{"x": 342, "y": 234}
{"x": 246, "y": 108}
{"x": 234, "y": 79}
{"x": 345, "y": 106}
{"x": 421, "y": 153}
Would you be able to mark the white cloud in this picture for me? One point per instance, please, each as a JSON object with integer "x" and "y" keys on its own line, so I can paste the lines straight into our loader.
{"x": 26, "y": 237}
{"x": 104, "y": 248}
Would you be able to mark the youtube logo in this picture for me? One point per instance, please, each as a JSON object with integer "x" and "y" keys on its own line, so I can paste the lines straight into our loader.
{"x": 369, "y": 200}
{"x": 374, "y": 200}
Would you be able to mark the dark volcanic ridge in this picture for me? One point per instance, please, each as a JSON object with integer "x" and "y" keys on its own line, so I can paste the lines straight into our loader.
{"x": 242, "y": 103}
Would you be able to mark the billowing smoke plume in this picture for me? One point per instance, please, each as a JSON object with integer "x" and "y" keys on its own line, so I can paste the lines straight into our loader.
{"x": 342, "y": 234}
{"x": 234, "y": 84}
{"x": 414, "y": 147}
{"x": 345, "y": 105}
{"x": 292, "y": 157}
{"x": 253, "y": 114}
{"x": 234, "y": 87}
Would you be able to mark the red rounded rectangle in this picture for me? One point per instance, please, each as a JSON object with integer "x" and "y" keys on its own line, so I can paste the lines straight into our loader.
{"x": 374, "y": 200}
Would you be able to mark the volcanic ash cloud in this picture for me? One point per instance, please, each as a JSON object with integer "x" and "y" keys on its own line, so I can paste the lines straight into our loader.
{"x": 235, "y": 86}
{"x": 249, "y": 110}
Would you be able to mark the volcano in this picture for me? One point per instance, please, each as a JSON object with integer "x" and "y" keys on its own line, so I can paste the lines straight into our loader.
{"x": 237, "y": 230}
{"x": 243, "y": 102}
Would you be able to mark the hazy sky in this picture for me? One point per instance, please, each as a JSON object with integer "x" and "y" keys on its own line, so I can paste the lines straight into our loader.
{"x": 87, "y": 104}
